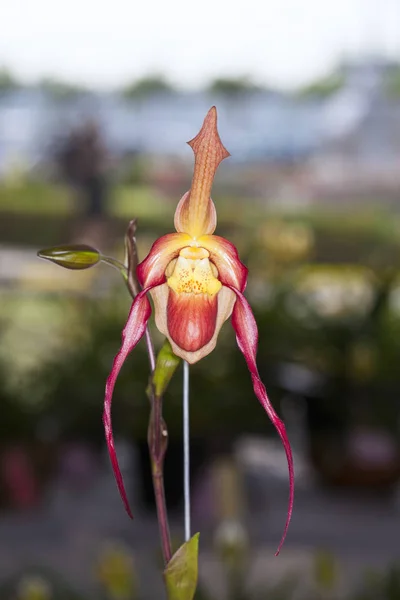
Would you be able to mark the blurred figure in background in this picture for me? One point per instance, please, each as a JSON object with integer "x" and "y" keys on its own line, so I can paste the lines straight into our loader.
{"x": 83, "y": 160}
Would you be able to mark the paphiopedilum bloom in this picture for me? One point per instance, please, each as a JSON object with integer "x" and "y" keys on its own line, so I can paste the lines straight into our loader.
{"x": 196, "y": 282}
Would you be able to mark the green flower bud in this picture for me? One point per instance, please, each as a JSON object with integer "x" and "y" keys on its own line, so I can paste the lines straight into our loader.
{"x": 74, "y": 256}
{"x": 166, "y": 366}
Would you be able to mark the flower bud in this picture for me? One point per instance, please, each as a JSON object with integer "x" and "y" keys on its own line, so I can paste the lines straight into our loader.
{"x": 166, "y": 366}
{"x": 74, "y": 256}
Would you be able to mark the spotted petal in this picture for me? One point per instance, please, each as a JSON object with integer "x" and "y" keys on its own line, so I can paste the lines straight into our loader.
{"x": 151, "y": 270}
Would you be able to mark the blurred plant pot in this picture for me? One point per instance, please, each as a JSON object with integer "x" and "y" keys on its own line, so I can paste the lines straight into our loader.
{"x": 25, "y": 469}
{"x": 367, "y": 458}
{"x": 78, "y": 464}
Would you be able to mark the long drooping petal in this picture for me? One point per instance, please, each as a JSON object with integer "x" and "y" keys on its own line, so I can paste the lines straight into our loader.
{"x": 225, "y": 257}
{"x": 246, "y": 330}
{"x": 196, "y": 214}
{"x": 132, "y": 333}
{"x": 151, "y": 270}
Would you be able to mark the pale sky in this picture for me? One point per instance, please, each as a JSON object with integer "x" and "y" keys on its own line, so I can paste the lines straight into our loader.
{"x": 278, "y": 42}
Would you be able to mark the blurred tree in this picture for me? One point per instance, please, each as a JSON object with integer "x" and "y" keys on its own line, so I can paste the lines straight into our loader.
{"x": 60, "y": 90}
{"x": 232, "y": 86}
{"x": 8, "y": 83}
{"x": 146, "y": 86}
{"x": 393, "y": 83}
{"x": 323, "y": 87}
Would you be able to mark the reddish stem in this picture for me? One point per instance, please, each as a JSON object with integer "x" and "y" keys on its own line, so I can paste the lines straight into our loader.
{"x": 157, "y": 431}
{"x": 158, "y": 441}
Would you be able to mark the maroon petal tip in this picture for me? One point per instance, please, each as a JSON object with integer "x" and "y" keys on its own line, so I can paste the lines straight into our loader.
{"x": 246, "y": 330}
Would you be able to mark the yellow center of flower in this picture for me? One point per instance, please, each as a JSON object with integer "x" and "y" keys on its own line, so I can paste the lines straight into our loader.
{"x": 192, "y": 273}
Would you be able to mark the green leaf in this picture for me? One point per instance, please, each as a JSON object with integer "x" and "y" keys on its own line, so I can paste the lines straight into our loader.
{"x": 166, "y": 366}
{"x": 74, "y": 256}
{"x": 182, "y": 570}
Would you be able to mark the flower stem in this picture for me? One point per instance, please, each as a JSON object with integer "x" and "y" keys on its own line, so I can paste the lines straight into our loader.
{"x": 158, "y": 441}
{"x": 186, "y": 449}
{"x": 133, "y": 283}
{"x": 157, "y": 435}
{"x": 113, "y": 262}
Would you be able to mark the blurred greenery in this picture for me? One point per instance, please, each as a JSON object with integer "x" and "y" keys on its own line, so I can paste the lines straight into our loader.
{"x": 369, "y": 235}
{"x": 230, "y": 87}
{"x": 37, "y": 583}
{"x": 8, "y": 83}
{"x": 381, "y": 585}
{"x": 324, "y": 286}
{"x": 34, "y": 196}
{"x": 116, "y": 578}
{"x": 60, "y": 90}
{"x": 147, "y": 86}
{"x": 22, "y": 195}
{"x": 233, "y": 86}
{"x": 393, "y": 83}
{"x": 323, "y": 87}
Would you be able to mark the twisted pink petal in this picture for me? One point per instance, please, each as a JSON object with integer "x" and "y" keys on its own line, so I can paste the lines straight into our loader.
{"x": 245, "y": 326}
{"x": 132, "y": 333}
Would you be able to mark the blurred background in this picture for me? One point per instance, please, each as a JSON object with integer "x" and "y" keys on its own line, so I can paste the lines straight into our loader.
{"x": 96, "y": 104}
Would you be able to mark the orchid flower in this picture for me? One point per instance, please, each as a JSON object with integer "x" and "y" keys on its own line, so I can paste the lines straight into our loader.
{"x": 196, "y": 282}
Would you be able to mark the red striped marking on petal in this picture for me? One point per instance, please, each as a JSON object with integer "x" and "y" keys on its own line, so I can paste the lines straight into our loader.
{"x": 196, "y": 212}
{"x": 182, "y": 216}
{"x": 191, "y": 319}
{"x": 132, "y": 333}
{"x": 226, "y": 300}
{"x": 246, "y": 330}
